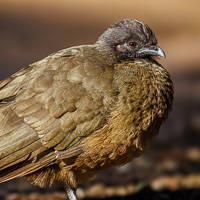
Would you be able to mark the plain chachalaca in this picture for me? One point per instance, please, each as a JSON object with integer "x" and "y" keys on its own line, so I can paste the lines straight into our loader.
{"x": 84, "y": 108}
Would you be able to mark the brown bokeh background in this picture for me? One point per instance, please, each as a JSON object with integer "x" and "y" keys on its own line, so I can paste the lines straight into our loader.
{"x": 30, "y": 30}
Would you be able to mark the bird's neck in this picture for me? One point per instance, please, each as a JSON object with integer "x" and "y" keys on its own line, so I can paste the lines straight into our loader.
{"x": 106, "y": 53}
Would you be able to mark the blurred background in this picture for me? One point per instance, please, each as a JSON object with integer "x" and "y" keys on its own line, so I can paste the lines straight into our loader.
{"x": 170, "y": 168}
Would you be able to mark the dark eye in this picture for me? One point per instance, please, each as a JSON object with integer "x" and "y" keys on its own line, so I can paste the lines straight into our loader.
{"x": 132, "y": 44}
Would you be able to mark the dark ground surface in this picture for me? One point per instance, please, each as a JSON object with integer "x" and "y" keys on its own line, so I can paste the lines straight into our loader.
{"x": 144, "y": 194}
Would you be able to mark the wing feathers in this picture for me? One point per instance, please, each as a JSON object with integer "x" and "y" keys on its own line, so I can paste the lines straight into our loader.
{"x": 17, "y": 143}
{"x": 16, "y": 155}
{"x": 49, "y": 107}
{"x": 26, "y": 167}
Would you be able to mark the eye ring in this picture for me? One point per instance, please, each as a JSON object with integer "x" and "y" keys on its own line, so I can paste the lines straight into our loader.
{"x": 132, "y": 44}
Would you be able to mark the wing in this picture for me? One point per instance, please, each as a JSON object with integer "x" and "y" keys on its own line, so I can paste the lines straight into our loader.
{"x": 49, "y": 107}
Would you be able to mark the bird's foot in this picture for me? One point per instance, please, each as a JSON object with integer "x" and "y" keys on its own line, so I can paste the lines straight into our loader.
{"x": 71, "y": 194}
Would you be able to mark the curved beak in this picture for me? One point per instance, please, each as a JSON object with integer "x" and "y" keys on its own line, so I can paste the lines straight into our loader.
{"x": 152, "y": 51}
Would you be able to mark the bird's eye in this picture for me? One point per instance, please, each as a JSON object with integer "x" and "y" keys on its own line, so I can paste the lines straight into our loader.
{"x": 132, "y": 44}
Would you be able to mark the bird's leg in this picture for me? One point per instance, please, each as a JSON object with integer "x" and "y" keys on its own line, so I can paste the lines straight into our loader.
{"x": 70, "y": 182}
{"x": 71, "y": 193}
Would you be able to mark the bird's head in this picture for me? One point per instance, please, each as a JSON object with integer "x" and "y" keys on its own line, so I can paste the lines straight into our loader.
{"x": 130, "y": 39}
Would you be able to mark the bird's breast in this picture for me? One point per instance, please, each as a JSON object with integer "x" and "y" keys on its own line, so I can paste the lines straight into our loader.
{"x": 144, "y": 100}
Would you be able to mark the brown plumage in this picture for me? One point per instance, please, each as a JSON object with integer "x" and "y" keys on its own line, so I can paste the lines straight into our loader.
{"x": 84, "y": 108}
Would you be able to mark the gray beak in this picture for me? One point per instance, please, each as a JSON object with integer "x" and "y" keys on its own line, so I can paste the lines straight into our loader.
{"x": 152, "y": 51}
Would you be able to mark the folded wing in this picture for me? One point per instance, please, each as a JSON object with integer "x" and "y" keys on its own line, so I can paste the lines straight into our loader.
{"x": 44, "y": 109}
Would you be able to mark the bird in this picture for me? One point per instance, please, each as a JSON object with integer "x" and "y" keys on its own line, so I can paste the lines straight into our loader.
{"x": 84, "y": 109}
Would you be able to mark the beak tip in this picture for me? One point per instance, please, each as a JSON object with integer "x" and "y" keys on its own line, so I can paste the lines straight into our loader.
{"x": 161, "y": 53}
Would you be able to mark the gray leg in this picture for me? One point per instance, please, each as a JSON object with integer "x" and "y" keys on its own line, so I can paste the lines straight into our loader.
{"x": 71, "y": 194}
